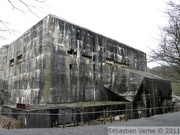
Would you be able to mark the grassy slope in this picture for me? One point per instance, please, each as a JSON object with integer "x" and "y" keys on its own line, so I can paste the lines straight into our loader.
{"x": 4, "y": 120}
{"x": 176, "y": 87}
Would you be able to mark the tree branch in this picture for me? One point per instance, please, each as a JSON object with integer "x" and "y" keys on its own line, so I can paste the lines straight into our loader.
{"x": 29, "y": 7}
{"x": 22, "y": 6}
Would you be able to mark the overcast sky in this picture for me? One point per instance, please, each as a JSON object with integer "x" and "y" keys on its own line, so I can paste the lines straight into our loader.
{"x": 133, "y": 22}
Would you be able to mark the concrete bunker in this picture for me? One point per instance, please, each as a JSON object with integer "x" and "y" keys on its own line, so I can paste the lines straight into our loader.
{"x": 56, "y": 62}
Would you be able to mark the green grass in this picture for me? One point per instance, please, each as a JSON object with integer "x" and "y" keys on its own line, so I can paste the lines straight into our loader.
{"x": 175, "y": 87}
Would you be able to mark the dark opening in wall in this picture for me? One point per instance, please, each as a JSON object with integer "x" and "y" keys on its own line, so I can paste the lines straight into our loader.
{"x": 11, "y": 63}
{"x": 19, "y": 59}
{"x": 122, "y": 63}
{"x": 54, "y": 117}
{"x": 86, "y": 56}
{"x": 70, "y": 66}
{"x": 72, "y": 51}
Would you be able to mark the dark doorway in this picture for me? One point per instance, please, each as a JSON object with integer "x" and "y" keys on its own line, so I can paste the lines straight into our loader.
{"x": 54, "y": 117}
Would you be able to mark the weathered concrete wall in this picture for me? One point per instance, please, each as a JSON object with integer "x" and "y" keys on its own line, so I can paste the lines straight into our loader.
{"x": 25, "y": 69}
{"x": 153, "y": 93}
{"x": 57, "y": 62}
{"x": 3, "y": 62}
{"x": 82, "y": 62}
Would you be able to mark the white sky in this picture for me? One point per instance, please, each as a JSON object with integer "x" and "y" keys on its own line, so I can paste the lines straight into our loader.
{"x": 133, "y": 22}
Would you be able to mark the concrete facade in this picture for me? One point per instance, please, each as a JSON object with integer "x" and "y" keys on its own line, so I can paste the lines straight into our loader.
{"x": 58, "y": 62}
{"x": 56, "y": 65}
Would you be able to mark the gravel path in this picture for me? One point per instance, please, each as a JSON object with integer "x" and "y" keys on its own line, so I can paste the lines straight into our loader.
{"x": 170, "y": 119}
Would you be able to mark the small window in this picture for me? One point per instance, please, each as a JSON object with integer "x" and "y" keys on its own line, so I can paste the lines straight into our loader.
{"x": 70, "y": 51}
{"x": 19, "y": 59}
{"x": 11, "y": 63}
{"x": 70, "y": 66}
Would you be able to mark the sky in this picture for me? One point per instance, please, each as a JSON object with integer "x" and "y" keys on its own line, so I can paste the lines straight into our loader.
{"x": 132, "y": 22}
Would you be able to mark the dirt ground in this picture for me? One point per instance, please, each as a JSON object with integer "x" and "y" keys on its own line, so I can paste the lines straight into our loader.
{"x": 8, "y": 122}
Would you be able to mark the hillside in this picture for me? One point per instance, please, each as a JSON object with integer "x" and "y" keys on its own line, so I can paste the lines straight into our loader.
{"x": 168, "y": 73}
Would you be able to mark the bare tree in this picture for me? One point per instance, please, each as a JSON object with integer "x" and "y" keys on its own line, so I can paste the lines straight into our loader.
{"x": 4, "y": 29}
{"x": 23, "y": 6}
{"x": 166, "y": 72}
{"x": 168, "y": 51}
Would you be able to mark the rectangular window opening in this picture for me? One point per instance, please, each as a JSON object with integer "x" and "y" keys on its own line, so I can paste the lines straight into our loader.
{"x": 70, "y": 66}
{"x": 19, "y": 59}
{"x": 11, "y": 63}
{"x": 72, "y": 51}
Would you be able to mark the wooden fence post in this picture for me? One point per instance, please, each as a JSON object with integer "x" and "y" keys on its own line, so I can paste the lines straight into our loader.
{"x": 104, "y": 117}
{"x": 63, "y": 118}
{"x": 126, "y": 117}
{"x": 19, "y": 120}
